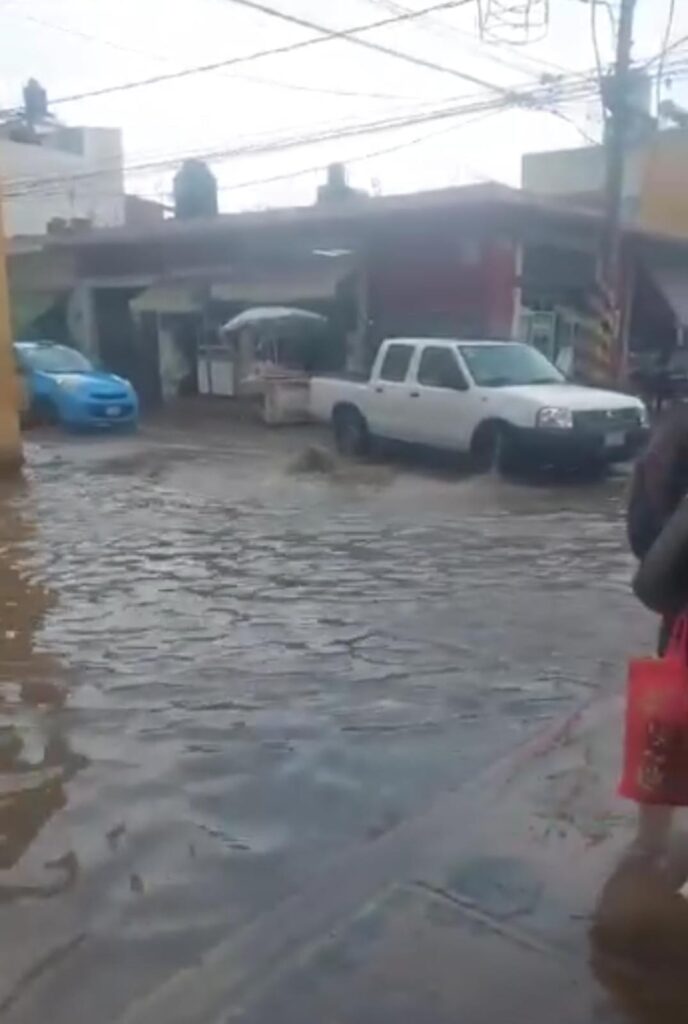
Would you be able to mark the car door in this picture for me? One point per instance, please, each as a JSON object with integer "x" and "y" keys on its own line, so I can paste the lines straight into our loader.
{"x": 389, "y": 400}
{"x": 439, "y": 399}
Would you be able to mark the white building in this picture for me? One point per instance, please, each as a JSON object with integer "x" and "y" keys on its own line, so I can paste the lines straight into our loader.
{"x": 67, "y": 174}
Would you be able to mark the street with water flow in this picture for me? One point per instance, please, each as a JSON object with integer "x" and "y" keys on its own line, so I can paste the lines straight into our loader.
{"x": 225, "y": 671}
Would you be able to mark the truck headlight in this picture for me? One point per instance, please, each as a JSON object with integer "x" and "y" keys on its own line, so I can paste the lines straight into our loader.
{"x": 555, "y": 418}
{"x": 644, "y": 416}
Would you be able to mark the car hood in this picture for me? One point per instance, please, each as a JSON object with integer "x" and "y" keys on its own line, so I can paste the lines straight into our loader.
{"x": 572, "y": 396}
{"x": 94, "y": 380}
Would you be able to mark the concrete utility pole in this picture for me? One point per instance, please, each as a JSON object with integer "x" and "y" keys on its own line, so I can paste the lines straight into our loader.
{"x": 10, "y": 440}
{"x": 617, "y": 102}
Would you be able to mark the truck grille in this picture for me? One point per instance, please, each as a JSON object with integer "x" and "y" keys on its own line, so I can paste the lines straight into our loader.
{"x": 603, "y": 420}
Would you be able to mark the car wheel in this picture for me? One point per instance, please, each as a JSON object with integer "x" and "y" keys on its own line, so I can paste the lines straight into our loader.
{"x": 350, "y": 432}
{"x": 43, "y": 413}
{"x": 493, "y": 449}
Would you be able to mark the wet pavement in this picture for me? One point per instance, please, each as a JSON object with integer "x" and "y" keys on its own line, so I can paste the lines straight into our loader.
{"x": 221, "y": 675}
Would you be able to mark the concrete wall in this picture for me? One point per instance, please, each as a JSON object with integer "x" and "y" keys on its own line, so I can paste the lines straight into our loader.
{"x": 579, "y": 175}
{"x": 85, "y": 178}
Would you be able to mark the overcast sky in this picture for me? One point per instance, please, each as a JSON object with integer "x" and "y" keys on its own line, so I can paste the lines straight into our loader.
{"x": 73, "y": 46}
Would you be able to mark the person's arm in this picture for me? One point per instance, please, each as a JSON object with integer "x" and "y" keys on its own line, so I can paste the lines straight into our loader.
{"x": 643, "y": 524}
{"x": 661, "y": 582}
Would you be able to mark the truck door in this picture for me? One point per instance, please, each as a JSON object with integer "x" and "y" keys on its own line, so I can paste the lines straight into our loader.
{"x": 440, "y": 400}
{"x": 389, "y": 399}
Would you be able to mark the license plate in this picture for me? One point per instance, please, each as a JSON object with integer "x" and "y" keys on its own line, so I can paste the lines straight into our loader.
{"x": 112, "y": 410}
{"x": 615, "y": 440}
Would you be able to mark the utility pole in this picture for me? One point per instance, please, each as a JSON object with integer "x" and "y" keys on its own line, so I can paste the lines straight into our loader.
{"x": 620, "y": 113}
{"x": 10, "y": 439}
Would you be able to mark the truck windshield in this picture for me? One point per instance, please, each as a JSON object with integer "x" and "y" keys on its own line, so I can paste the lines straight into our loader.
{"x": 508, "y": 364}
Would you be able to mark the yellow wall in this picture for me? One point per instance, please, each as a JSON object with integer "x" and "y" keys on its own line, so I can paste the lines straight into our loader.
{"x": 10, "y": 443}
{"x": 663, "y": 201}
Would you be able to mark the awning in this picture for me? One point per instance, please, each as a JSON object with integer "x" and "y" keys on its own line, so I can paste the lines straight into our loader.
{"x": 284, "y": 287}
{"x": 673, "y": 285}
{"x": 166, "y": 299}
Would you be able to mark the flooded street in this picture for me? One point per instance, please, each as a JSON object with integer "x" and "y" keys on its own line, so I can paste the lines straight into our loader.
{"x": 219, "y": 674}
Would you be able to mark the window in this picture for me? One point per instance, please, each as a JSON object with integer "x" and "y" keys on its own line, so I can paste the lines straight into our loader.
{"x": 508, "y": 364}
{"x": 54, "y": 359}
{"x": 396, "y": 364}
{"x": 439, "y": 369}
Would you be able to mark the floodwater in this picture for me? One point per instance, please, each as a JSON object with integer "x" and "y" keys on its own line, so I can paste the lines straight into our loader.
{"x": 216, "y": 675}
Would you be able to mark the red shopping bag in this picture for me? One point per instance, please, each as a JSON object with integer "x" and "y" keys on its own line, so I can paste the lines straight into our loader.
{"x": 656, "y": 740}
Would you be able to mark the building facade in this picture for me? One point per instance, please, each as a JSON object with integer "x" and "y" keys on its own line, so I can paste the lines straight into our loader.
{"x": 462, "y": 262}
{"x": 65, "y": 175}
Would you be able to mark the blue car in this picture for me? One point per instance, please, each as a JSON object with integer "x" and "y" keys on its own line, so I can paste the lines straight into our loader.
{"x": 62, "y": 386}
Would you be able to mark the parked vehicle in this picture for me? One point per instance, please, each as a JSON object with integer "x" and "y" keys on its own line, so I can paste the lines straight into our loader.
{"x": 63, "y": 386}
{"x": 502, "y": 402}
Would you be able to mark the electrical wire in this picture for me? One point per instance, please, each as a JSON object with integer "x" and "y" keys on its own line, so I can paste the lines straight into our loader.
{"x": 541, "y": 99}
{"x": 252, "y": 140}
{"x": 328, "y": 36}
{"x": 516, "y": 63}
{"x": 662, "y": 55}
{"x": 318, "y": 168}
{"x": 598, "y": 56}
{"x": 263, "y": 145}
{"x": 665, "y": 49}
{"x": 148, "y": 55}
{"x": 347, "y": 36}
{"x": 418, "y": 140}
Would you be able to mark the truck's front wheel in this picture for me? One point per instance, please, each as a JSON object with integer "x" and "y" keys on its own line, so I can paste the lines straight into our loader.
{"x": 494, "y": 448}
{"x": 350, "y": 431}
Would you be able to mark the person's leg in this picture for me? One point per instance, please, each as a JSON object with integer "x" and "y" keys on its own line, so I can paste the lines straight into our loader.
{"x": 654, "y": 829}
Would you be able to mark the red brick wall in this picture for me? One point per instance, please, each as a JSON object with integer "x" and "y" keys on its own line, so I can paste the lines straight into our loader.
{"x": 461, "y": 288}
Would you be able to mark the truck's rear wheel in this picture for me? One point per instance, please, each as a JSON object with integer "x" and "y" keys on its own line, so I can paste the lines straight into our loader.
{"x": 350, "y": 431}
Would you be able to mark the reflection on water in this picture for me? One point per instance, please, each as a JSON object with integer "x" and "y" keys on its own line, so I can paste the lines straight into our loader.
{"x": 35, "y": 757}
{"x": 640, "y": 940}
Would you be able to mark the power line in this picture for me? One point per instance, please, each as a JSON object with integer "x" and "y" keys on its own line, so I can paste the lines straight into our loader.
{"x": 251, "y": 142}
{"x": 266, "y": 145}
{"x": 258, "y": 55}
{"x": 542, "y": 95}
{"x": 447, "y": 129}
{"x": 515, "y": 63}
{"x": 665, "y": 46}
{"x": 665, "y": 51}
{"x": 260, "y": 80}
{"x": 288, "y": 175}
{"x": 348, "y": 36}
{"x": 270, "y": 146}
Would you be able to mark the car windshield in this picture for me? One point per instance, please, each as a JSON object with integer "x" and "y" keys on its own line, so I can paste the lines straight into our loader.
{"x": 54, "y": 359}
{"x": 508, "y": 364}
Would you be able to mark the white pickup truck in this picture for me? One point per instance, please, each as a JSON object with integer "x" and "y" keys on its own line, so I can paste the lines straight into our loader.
{"x": 501, "y": 402}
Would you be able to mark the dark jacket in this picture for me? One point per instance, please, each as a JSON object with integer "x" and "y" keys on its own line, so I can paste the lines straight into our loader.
{"x": 660, "y": 483}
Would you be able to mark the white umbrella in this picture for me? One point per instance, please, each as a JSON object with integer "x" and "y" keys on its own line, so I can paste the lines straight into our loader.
{"x": 258, "y": 315}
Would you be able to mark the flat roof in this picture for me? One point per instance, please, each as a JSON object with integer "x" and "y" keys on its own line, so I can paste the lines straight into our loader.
{"x": 484, "y": 197}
